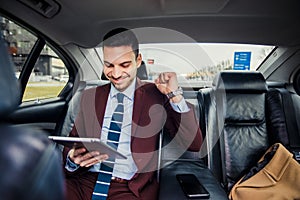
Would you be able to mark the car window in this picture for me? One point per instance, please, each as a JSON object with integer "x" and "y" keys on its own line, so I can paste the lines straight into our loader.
{"x": 48, "y": 77}
{"x": 196, "y": 64}
{"x": 49, "y": 74}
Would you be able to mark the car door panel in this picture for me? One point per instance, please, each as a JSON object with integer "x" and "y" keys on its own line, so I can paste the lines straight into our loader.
{"x": 43, "y": 114}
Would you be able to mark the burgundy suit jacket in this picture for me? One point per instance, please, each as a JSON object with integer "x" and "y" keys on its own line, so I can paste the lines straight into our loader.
{"x": 151, "y": 112}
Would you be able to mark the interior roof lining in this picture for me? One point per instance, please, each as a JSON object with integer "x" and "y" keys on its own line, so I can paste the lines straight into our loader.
{"x": 237, "y": 27}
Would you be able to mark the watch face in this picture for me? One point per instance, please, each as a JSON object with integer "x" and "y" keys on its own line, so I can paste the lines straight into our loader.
{"x": 179, "y": 91}
{"x": 171, "y": 95}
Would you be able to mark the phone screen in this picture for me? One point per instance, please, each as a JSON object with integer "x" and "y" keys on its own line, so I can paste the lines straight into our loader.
{"x": 191, "y": 186}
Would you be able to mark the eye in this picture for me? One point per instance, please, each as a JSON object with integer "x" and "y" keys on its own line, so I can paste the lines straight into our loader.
{"x": 108, "y": 64}
{"x": 125, "y": 64}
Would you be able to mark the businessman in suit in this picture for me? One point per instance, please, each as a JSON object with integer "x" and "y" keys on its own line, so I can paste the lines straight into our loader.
{"x": 148, "y": 107}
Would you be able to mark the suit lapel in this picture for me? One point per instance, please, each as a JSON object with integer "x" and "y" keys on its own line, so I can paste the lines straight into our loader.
{"x": 101, "y": 98}
{"x": 137, "y": 107}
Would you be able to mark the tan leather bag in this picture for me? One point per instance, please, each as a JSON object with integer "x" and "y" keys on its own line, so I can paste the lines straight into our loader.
{"x": 278, "y": 179}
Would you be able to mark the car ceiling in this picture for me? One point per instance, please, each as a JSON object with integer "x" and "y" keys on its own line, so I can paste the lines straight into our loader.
{"x": 84, "y": 22}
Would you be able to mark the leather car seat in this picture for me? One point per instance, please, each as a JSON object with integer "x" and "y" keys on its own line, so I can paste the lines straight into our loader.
{"x": 30, "y": 166}
{"x": 235, "y": 120}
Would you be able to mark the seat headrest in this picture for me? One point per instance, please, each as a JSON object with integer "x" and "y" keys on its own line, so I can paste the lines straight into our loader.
{"x": 240, "y": 82}
{"x": 10, "y": 92}
{"x": 31, "y": 167}
{"x": 142, "y": 72}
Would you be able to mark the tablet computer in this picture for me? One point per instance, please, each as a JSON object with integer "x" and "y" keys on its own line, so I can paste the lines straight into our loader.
{"x": 91, "y": 144}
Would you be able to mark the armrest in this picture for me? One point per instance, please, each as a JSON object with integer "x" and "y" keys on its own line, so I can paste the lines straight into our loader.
{"x": 170, "y": 188}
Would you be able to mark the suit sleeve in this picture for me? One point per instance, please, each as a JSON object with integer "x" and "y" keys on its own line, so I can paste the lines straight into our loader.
{"x": 78, "y": 127}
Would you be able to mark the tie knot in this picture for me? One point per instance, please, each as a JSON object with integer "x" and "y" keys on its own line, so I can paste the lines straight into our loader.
{"x": 120, "y": 97}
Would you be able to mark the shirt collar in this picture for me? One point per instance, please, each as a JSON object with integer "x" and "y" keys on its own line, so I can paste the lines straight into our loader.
{"x": 129, "y": 92}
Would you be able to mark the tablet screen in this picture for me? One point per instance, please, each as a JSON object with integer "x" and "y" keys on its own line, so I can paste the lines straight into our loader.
{"x": 91, "y": 144}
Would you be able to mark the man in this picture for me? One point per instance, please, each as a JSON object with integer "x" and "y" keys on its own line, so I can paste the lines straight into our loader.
{"x": 147, "y": 108}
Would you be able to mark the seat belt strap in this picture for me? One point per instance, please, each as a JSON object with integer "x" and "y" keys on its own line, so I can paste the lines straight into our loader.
{"x": 291, "y": 123}
{"x": 220, "y": 98}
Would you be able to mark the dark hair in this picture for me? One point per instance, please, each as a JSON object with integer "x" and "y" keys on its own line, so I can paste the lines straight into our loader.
{"x": 121, "y": 37}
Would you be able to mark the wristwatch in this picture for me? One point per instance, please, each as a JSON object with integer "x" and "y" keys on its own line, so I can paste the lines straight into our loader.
{"x": 179, "y": 91}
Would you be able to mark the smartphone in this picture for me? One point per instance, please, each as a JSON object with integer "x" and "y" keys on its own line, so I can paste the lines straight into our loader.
{"x": 191, "y": 186}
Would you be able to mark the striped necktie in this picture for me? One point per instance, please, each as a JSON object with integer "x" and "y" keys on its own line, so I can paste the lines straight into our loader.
{"x": 106, "y": 168}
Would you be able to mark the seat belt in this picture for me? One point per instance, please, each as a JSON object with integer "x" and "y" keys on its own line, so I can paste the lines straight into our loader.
{"x": 291, "y": 123}
{"x": 220, "y": 125}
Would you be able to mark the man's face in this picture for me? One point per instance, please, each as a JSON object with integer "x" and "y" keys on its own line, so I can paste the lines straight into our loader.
{"x": 120, "y": 65}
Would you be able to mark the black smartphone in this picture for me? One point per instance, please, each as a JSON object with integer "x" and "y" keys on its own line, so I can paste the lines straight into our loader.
{"x": 191, "y": 186}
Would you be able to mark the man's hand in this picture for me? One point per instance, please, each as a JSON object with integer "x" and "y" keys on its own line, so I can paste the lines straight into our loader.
{"x": 167, "y": 82}
{"x": 81, "y": 157}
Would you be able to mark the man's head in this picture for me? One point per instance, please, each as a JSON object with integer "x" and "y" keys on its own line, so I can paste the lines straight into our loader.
{"x": 121, "y": 57}
{"x": 121, "y": 37}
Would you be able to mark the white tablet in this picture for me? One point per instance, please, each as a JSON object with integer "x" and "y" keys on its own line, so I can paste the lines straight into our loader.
{"x": 91, "y": 144}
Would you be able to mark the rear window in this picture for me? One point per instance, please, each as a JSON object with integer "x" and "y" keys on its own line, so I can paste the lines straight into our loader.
{"x": 197, "y": 63}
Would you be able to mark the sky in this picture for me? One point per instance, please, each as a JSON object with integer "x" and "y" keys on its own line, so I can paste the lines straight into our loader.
{"x": 186, "y": 58}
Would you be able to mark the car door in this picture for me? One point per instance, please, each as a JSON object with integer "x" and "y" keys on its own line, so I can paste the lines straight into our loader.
{"x": 45, "y": 78}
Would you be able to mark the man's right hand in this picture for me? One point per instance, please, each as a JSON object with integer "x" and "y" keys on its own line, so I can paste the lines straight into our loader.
{"x": 84, "y": 158}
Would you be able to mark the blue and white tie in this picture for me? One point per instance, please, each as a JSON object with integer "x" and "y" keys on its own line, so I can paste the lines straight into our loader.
{"x": 106, "y": 168}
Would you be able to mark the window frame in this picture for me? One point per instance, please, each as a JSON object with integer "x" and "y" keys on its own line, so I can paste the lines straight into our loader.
{"x": 34, "y": 54}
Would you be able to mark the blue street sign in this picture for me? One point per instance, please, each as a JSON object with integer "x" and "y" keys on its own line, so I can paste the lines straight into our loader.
{"x": 242, "y": 60}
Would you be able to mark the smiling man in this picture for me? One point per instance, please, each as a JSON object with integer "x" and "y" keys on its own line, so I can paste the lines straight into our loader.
{"x": 120, "y": 66}
{"x": 128, "y": 115}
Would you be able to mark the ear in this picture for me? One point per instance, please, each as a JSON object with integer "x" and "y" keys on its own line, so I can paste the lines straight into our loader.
{"x": 139, "y": 60}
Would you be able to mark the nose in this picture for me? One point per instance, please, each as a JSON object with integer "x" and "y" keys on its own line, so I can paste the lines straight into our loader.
{"x": 116, "y": 72}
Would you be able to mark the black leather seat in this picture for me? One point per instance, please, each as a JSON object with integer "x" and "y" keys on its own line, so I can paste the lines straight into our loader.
{"x": 170, "y": 188}
{"x": 30, "y": 167}
{"x": 175, "y": 161}
{"x": 235, "y": 120}
{"x": 284, "y": 112}
{"x": 142, "y": 72}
